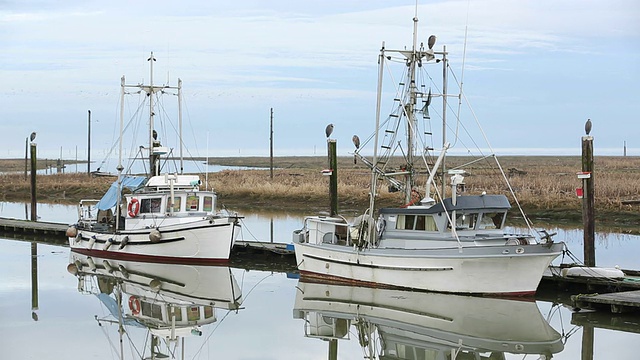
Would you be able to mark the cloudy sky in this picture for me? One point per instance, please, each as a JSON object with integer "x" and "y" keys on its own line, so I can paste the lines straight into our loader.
{"x": 534, "y": 70}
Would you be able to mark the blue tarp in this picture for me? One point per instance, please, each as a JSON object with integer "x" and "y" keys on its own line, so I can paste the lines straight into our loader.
{"x": 112, "y": 305}
{"x": 110, "y": 198}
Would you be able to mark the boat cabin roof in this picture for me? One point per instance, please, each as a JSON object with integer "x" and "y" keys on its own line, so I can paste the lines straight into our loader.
{"x": 467, "y": 202}
{"x": 179, "y": 182}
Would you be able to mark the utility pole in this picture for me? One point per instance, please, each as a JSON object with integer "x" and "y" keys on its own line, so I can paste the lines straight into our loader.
{"x": 271, "y": 144}
{"x": 89, "y": 145}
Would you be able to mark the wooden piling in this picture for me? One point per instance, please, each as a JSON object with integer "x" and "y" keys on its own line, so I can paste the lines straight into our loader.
{"x": 333, "y": 178}
{"x": 34, "y": 169}
{"x": 588, "y": 201}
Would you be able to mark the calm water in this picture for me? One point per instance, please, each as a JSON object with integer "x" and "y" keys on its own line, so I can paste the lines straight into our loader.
{"x": 58, "y": 315}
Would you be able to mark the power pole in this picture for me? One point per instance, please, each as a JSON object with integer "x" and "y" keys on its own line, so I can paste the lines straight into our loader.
{"x": 271, "y": 144}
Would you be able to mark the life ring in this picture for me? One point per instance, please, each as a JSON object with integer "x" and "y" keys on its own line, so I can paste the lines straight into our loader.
{"x": 134, "y": 305}
{"x": 134, "y": 207}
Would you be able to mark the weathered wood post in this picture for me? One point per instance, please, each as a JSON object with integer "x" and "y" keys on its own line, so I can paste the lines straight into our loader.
{"x": 588, "y": 200}
{"x": 34, "y": 168}
{"x": 333, "y": 178}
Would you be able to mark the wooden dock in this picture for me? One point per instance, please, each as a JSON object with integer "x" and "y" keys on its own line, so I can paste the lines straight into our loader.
{"x": 32, "y": 227}
{"x": 617, "y": 303}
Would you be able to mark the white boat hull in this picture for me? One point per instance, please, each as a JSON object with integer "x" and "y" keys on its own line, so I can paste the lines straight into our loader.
{"x": 199, "y": 242}
{"x": 507, "y": 270}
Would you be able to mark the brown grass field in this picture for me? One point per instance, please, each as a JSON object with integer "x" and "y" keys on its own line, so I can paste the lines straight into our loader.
{"x": 546, "y": 191}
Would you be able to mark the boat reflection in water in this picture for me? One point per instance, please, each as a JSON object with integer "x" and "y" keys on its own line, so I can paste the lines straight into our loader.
{"x": 400, "y": 324}
{"x": 171, "y": 301}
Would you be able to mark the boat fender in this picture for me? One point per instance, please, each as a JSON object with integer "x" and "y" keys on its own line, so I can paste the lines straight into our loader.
{"x": 92, "y": 241}
{"x": 155, "y": 235}
{"x": 123, "y": 270}
{"x": 124, "y": 242}
{"x": 382, "y": 225}
{"x": 72, "y": 269}
{"x": 133, "y": 208}
{"x": 155, "y": 285}
{"x": 108, "y": 243}
{"x": 108, "y": 267}
{"x": 92, "y": 265}
{"x": 72, "y": 231}
{"x": 78, "y": 238}
{"x": 134, "y": 305}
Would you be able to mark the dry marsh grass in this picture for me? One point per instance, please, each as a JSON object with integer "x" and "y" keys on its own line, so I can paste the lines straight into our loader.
{"x": 544, "y": 186}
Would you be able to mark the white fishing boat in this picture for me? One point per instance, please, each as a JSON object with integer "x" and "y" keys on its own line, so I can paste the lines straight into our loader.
{"x": 401, "y": 324}
{"x": 159, "y": 217}
{"x": 447, "y": 240}
{"x": 157, "y": 304}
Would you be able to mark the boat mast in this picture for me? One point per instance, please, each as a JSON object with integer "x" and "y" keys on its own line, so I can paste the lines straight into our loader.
{"x": 180, "y": 123}
{"x": 374, "y": 173}
{"x": 152, "y": 157}
{"x": 120, "y": 167}
{"x": 409, "y": 111}
{"x": 444, "y": 115}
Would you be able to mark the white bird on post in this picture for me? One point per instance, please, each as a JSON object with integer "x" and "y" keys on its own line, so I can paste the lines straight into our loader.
{"x": 329, "y": 130}
{"x": 356, "y": 142}
{"x": 587, "y": 126}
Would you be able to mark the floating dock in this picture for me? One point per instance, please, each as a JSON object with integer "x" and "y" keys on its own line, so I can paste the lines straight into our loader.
{"x": 617, "y": 303}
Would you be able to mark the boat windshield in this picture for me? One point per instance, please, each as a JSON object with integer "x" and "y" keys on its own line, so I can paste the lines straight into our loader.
{"x": 493, "y": 220}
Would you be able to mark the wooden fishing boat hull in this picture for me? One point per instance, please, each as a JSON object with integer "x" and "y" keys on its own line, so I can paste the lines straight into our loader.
{"x": 198, "y": 242}
{"x": 500, "y": 270}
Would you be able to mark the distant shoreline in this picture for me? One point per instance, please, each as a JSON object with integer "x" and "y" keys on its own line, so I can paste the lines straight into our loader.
{"x": 545, "y": 186}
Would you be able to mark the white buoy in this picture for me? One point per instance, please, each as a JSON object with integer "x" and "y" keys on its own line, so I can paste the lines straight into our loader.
{"x": 155, "y": 235}
{"x": 72, "y": 231}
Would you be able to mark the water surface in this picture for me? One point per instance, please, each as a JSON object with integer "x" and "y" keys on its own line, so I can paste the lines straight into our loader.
{"x": 52, "y": 315}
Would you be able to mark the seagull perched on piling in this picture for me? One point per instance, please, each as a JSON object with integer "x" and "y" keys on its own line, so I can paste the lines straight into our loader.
{"x": 329, "y": 130}
{"x": 33, "y": 136}
{"x": 587, "y": 126}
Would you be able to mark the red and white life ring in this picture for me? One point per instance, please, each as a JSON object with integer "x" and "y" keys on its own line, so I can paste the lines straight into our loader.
{"x": 134, "y": 207}
{"x": 134, "y": 305}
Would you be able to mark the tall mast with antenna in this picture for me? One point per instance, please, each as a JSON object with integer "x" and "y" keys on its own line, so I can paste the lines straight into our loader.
{"x": 152, "y": 165}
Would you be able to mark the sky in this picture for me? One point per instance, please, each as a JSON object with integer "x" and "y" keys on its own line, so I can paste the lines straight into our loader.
{"x": 534, "y": 70}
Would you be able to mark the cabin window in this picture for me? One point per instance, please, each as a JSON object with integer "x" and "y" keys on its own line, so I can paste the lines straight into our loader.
{"x": 426, "y": 223}
{"x": 491, "y": 220}
{"x": 176, "y": 311}
{"x": 416, "y": 222}
{"x": 193, "y": 313}
{"x": 405, "y": 222}
{"x": 466, "y": 221}
{"x": 151, "y": 310}
{"x": 192, "y": 203}
{"x": 208, "y": 312}
{"x": 151, "y": 205}
{"x": 207, "y": 204}
{"x": 177, "y": 202}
